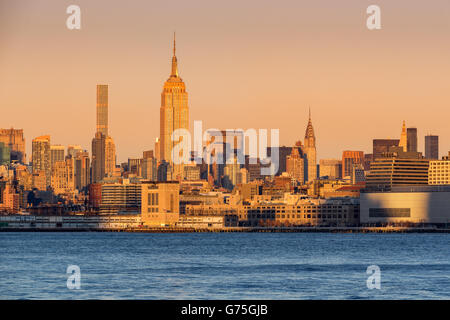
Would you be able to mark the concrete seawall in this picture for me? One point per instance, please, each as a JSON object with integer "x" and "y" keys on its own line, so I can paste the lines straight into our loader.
{"x": 238, "y": 229}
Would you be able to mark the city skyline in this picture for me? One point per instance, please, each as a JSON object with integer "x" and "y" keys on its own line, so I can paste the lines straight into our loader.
{"x": 253, "y": 150}
{"x": 135, "y": 71}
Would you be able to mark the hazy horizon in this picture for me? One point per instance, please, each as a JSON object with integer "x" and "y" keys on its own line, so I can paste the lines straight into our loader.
{"x": 258, "y": 64}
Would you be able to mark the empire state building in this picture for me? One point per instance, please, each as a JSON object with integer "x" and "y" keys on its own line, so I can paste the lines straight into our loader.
{"x": 174, "y": 112}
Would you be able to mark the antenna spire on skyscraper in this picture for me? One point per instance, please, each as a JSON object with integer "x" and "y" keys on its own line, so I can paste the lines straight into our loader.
{"x": 174, "y": 59}
{"x": 174, "y": 43}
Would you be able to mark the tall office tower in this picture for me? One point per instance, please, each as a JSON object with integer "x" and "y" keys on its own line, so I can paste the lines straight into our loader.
{"x": 62, "y": 181}
{"x": 411, "y": 139}
{"x": 157, "y": 150}
{"x": 310, "y": 152}
{"x": 82, "y": 170}
{"x": 110, "y": 157}
{"x": 283, "y": 153}
{"x": 56, "y": 154}
{"x": 98, "y": 158}
{"x": 174, "y": 111}
{"x": 395, "y": 171}
{"x": 41, "y": 157}
{"x": 432, "y": 147}
{"x": 102, "y": 109}
{"x": 5, "y": 154}
{"x": 231, "y": 174}
{"x": 135, "y": 166}
{"x": 103, "y": 147}
{"x": 349, "y": 160}
{"x": 295, "y": 165}
{"x": 13, "y": 139}
{"x": 381, "y": 146}
{"x": 403, "y": 138}
{"x": 368, "y": 159}
{"x": 149, "y": 169}
{"x": 330, "y": 168}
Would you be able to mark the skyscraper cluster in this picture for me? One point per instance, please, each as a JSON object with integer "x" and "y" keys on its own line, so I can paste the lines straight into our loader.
{"x": 73, "y": 176}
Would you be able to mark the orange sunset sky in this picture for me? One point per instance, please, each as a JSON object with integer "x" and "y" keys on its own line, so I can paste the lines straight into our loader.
{"x": 246, "y": 64}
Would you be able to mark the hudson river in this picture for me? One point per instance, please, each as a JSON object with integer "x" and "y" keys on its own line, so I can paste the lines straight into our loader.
{"x": 224, "y": 266}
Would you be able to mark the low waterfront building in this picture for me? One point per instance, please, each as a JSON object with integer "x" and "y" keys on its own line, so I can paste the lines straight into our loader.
{"x": 204, "y": 222}
{"x": 407, "y": 204}
{"x": 71, "y": 222}
{"x": 305, "y": 212}
{"x": 292, "y": 210}
{"x": 122, "y": 196}
{"x": 160, "y": 203}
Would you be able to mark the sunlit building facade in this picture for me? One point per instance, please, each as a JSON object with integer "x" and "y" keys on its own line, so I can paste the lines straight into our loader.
{"x": 174, "y": 113}
{"x": 349, "y": 160}
{"x": 102, "y": 109}
{"x": 310, "y": 152}
{"x": 41, "y": 157}
{"x": 14, "y": 140}
{"x": 103, "y": 147}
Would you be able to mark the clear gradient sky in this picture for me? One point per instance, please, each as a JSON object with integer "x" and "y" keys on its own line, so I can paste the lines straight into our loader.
{"x": 246, "y": 64}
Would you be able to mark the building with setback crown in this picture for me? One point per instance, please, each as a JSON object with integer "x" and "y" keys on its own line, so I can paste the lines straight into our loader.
{"x": 403, "y": 138}
{"x": 174, "y": 113}
{"x": 310, "y": 152}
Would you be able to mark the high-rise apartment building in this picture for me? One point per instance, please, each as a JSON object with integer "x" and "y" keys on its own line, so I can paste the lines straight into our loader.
{"x": 411, "y": 140}
{"x": 41, "y": 157}
{"x": 174, "y": 111}
{"x": 310, "y": 152}
{"x": 82, "y": 170}
{"x": 349, "y": 160}
{"x": 62, "y": 180}
{"x": 295, "y": 165}
{"x": 135, "y": 166}
{"x": 98, "y": 157}
{"x": 149, "y": 169}
{"x": 14, "y": 140}
{"x": 102, "y": 109}
{"x": 110, "y": 157}
{"x": 57, "y": 153}
{"x": 431, "y": 147}
{"x": 103, "y": 147}
{"x": 231, "y": 174}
